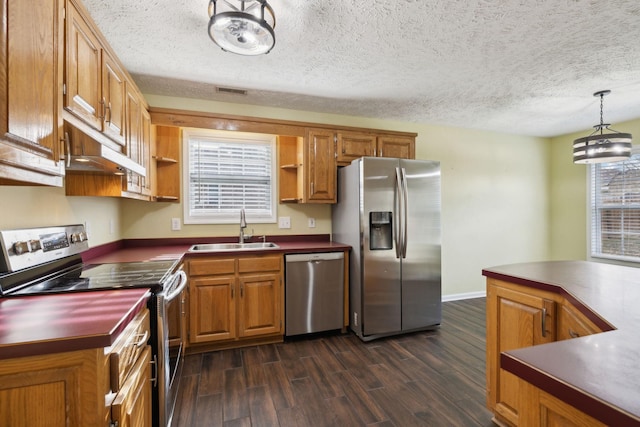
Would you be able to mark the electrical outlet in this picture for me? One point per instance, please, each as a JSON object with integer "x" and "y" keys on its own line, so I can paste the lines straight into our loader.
{"x": 284, "y": 222}
{"x": 112, "y": 227}
{"x": 312, "y": 222}
{"x": 175, "y": 224}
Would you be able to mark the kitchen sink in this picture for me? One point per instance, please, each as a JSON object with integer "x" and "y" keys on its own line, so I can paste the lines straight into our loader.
{"x": 217, "y": 247}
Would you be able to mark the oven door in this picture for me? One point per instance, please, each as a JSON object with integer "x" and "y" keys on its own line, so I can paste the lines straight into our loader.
{"x": 170, "y": 344}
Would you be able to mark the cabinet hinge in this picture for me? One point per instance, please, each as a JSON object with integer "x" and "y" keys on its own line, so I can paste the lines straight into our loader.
{"x": 113, "y": 424}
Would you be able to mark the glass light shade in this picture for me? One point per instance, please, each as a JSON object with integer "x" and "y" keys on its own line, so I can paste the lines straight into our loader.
{"x": 243, "y": 31}
{"x": 602, "y": 148}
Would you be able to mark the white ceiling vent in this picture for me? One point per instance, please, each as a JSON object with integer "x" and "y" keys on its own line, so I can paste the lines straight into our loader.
{"x": 230, "y": 90}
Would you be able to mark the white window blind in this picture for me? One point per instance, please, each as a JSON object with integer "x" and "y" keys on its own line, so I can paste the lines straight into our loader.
{"x": 615, "y": 209}
{"x": 227, "y": 172}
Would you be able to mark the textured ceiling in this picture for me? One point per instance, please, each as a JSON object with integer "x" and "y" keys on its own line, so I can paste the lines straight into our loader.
{"x": 527, "y": 67}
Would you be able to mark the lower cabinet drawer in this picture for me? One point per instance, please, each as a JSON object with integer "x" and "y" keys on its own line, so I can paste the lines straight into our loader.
{"x": 128, "y": 348}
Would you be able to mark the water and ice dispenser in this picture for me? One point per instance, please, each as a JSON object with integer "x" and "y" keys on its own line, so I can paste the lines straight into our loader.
{"x": 380, "y": 231}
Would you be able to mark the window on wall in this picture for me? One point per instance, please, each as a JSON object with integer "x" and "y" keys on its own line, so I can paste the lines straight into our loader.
{"x": 226, "y": 172}
{"x": 615, "y": 209}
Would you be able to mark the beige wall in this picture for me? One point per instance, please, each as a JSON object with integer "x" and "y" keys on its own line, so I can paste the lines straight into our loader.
{"x": 568, "y": 196}
{"x": 25, "y": 207}
{"x": 495, "y": 197}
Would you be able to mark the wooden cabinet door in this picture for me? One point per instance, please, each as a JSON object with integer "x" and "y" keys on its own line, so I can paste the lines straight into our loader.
{"x": 145, "y": 152}
{"x": 260, "y": 304}
{"x": 573, "y": 324}
{"x": 54, "y": 390}
{"x": 351, "y": 146}
{"x": 515, "y": 320}
{"x": 133, "y": 182}
{"x": 320, "y": 165}
{"x": 113, "y": 90}
{"x": 132, "y": 405}
{"x": 212, "y": 309}
{"x": 397, "y": 146}
{"x": 31, "y": 92}
{"x": 83, "y": 79}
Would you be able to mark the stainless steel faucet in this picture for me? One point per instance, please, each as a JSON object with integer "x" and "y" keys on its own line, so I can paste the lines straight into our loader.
{"x": 243, "y": 225}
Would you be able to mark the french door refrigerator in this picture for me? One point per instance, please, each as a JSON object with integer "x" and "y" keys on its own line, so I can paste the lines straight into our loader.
{"x": 388, "y": 211}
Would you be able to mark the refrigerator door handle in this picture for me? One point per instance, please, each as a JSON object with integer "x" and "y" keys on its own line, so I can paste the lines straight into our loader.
{"x": 405, "y": 209}
{"x": 397, "y": 213}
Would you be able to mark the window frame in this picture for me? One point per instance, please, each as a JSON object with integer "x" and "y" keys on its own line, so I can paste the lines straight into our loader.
{"x": 234, "y": 137}
{"x": 594, "y": 231}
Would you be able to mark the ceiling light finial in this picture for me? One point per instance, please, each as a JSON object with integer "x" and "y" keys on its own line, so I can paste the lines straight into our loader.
{"x": 245, "y": 28}
{"x": 600, "y": 147}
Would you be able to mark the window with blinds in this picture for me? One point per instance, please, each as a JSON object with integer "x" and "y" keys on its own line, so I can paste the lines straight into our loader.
{"x": 615, "y": 209}
{"x": 226, "y": 172}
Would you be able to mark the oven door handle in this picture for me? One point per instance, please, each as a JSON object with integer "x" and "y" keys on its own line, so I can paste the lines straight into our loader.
{"x": 178, "y": 289}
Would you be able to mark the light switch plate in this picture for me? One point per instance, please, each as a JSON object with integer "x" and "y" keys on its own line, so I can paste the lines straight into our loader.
{"x": 175, "y": 224}
{"x": 284, "y": 222}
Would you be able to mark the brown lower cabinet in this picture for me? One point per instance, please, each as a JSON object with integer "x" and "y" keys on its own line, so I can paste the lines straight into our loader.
{"x": 517, "y": 317}
{"x": 540, "y": 409}
{"x": 235, "y": 301}
{"x": 88, "y": 388}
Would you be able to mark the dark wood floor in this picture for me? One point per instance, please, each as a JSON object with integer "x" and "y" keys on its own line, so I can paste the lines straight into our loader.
{"x": 434, "y": 378}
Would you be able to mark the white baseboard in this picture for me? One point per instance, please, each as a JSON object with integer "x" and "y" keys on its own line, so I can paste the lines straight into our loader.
{"x": 468, "y": 295}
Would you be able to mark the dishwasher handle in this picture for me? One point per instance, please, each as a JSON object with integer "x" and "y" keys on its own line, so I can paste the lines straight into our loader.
{"x": 320, "y": 256}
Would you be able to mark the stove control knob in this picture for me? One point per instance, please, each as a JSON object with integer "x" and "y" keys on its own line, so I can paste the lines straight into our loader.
{"x": 34, "y": 245}
{"x": 20, "y": 247}
{"x": 74, "y": 238}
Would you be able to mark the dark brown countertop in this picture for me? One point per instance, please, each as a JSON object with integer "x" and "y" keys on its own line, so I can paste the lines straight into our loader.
{"x": 598, "y": 374}
{"x": 44, "y": 324}
{"x": 175, "y": 249}
{"x": 52, "y": 323}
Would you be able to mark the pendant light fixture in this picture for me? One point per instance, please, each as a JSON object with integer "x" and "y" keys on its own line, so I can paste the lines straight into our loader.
{"x": 244, "y": 27}
{"x": 600, "y": 147}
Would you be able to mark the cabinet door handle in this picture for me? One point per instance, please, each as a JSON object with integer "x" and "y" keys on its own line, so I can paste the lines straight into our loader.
{"x": 67, "y": 143}
{"x": 241, "y": 291}
{"x": 312, "y": 188}
{"x": 233, "y": 292}
{"x": 108, "y": 110}
{"x": 544, "y": 322}
{"x": 573, "y": 334}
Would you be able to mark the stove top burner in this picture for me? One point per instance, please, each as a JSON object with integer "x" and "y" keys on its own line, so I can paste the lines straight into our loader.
{"x": 89, "y": 277}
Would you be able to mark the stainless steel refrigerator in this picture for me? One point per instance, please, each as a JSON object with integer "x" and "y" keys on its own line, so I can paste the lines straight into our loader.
{"x": 388, "y": 210}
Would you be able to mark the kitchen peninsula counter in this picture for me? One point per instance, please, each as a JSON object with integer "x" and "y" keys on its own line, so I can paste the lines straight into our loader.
{"x": 597, "y": 374}
{"x": 45, "y": 324}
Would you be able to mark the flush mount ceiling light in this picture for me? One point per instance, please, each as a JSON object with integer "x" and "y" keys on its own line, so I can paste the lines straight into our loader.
{"x": 244, "y": 27}
{"x": 600, "y": 147}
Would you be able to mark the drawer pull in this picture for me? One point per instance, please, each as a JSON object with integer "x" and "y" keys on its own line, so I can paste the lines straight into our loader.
{"x": 573, "y": 334}
{"x": 143, "y": 340}
{"x": 154, "y": 364}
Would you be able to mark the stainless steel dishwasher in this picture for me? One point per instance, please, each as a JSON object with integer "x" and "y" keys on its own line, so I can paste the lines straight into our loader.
{"x": 314, "y": 292}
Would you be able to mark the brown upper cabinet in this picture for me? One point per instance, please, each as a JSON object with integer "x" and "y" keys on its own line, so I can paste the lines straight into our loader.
{"x": 94, "y": 82}
{"x": 319, "y": 163}
{"x": 353, "y": 145}
{"x": 31, "y": 92}
{"x": 307, "y": 167}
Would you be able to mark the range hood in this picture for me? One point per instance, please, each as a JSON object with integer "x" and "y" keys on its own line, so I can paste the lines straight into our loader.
{"x": 89, "y": 155}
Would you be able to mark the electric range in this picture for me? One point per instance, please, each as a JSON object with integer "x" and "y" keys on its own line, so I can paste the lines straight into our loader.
{"x": 48, "y": 260}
